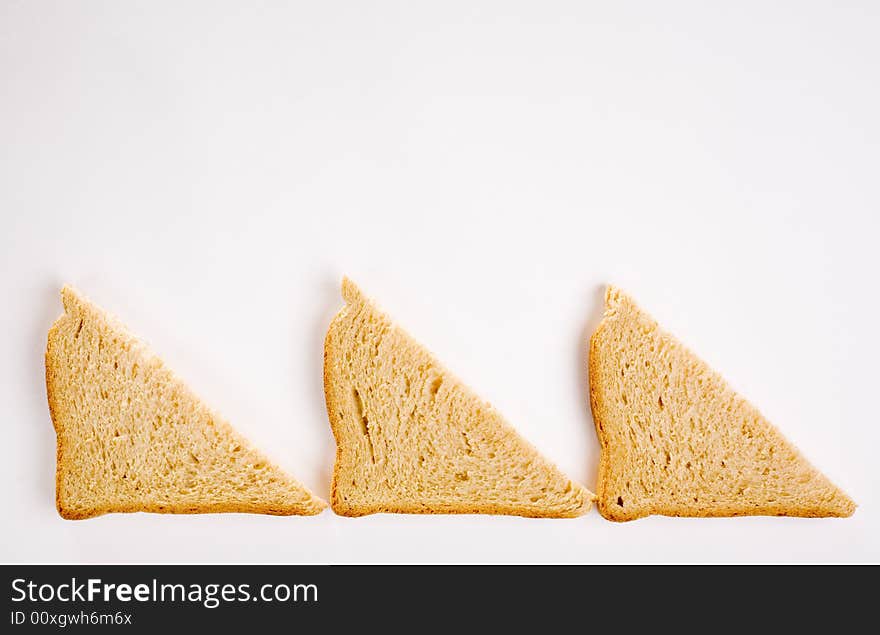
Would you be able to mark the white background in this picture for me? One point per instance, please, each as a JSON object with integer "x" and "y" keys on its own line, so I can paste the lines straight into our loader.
{"x": 209, "y": 170}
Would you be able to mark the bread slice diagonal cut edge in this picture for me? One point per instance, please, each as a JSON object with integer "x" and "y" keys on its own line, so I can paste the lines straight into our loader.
{"x": 412, "y": 438}
{"x": 131, "y": 436}
{"x": 677, "y": 440}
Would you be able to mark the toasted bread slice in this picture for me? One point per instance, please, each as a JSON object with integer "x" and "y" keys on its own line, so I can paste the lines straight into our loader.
{"x": 678, "y": 441}
{"x": 411, "y": 438}
{"x": 132, "y": 437}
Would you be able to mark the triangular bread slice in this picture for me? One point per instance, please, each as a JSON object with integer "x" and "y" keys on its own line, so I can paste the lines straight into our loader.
{"x": 411, "y": 438}
{"x": 132, "y": 437}
{"x": 678, "y": 441}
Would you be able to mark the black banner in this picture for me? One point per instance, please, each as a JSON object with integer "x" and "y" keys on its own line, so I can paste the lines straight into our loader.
{"x": 142, "y": 598}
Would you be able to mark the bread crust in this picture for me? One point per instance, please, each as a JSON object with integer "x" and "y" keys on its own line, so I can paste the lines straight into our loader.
{"x": 56, "y": 425}
{"x": 343, "y": 508}
{"x": 596, "y": 407}
{"x": 610, "y": 510}
{"x": 335, "y": 500}
{"x": 67, "y": 512}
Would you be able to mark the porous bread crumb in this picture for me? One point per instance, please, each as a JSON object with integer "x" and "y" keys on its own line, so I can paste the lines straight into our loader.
{"x": 411, "y": 438}
{"x": 132, "y": 437}
{"x": 678, "y": 441}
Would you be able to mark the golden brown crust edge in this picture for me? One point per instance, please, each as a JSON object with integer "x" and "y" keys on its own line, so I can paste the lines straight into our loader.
{"x": 53, "y": 414}
{"x": 192, "y": 509}
{"x": 336, "y": 503}
{"x": 597, "y": 409}
{"x": 318, "y": 505}
{"x": 352, "y": 511}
